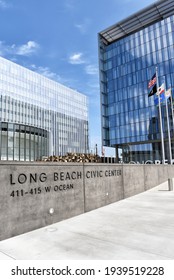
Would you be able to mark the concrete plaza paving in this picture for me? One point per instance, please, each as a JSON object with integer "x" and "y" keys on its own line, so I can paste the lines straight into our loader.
{"x": 140, "y": 227}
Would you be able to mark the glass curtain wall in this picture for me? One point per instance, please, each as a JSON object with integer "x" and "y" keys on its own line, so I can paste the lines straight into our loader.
{"x": 21, "y": 142}
{"x": 129, "y": 117}
{"x": 32, "y": 100}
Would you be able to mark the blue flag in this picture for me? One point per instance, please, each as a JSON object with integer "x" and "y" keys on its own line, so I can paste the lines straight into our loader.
{"x": 162, "y": 98}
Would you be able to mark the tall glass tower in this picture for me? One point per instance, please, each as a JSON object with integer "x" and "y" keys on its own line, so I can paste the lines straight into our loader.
{"x": 129, "y": 53}
{"x": 38, "y": 116}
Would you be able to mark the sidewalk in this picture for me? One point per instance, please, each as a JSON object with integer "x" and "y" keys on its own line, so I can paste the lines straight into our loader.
{"x": 140, "y": 227}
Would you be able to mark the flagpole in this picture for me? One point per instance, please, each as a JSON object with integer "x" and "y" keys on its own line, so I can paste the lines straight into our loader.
{"x": 160, "y": 118}
{"x": 171, "y": 103}
{"x": 168, "y": 126}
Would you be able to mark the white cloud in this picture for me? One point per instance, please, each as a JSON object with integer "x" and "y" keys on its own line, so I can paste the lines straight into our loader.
{"x": 45, "y": 71}
{"x": 27, "y": 49}
{"x": 91, "y": 69}
{"x": 4, "y": 49}
{"x": 76, "y": 58}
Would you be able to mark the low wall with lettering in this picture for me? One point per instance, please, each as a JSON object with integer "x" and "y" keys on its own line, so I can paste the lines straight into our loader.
{"x": 33, "y": 195}
{"x": 103, "y": 184}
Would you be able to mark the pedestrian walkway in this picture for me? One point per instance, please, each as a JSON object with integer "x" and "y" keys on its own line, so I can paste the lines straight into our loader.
{"x": 140, "y": 227}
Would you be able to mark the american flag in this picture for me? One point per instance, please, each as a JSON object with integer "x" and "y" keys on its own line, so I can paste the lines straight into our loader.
{"x": 152, "y": 81}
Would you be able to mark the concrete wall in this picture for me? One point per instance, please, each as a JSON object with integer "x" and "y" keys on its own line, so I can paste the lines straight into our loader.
{"x": 103, "y": 184}
{"x": 33, "y": 195}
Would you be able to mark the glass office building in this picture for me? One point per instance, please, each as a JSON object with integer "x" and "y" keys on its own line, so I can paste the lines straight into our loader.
{"x": 129, "y": 53}
{"x": 39, "y": 117}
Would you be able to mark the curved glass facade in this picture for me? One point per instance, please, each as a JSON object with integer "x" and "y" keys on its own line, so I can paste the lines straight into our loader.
{"x": 22, "y": 142}
{"x": 58, "y": 115}
{"x": 130, "y": 118}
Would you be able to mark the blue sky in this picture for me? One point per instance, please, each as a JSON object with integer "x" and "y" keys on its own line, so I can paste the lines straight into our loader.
{"x": 58, "y": 38}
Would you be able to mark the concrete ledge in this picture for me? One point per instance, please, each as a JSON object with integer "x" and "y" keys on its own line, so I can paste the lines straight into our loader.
{"x": 34, "y": 195}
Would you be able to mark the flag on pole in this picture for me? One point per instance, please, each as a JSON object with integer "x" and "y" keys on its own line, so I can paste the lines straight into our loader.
{"x": 162, "y": 98}
{"x": 168, "y": 93}
{"x": 160, "y": 120}
{"x": 160, "y": 90}
{"x": 153, "y": 91}
{"x": 152, "y": 81}
{"x": 152, "y": 86}
{"x": 161, "y": 93}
